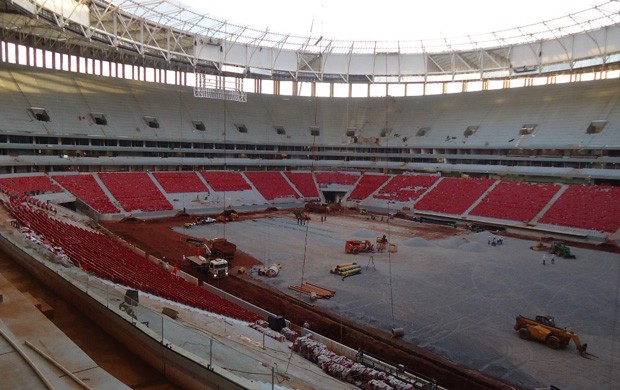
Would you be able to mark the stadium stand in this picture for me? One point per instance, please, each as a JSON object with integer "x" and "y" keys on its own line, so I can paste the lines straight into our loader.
{"x": 586, "y": 207}
{"x": 177, "y": 182}
{"x": 406, "y": 188}
{"x": 367, "y": 185}
{"x": 305, "y": 184}
{"x": 30, "y": 184}
{"x": 559, "y": 124}
{"x": 226, "y": 180}
{"x": 453, "y": 195}
{"x": 110, "y": 260}
{"x": 515, "y": 201}
{"x": 272, "y": 185}
{"x": 87, "y": 189}
{"x": 135, "y": 191}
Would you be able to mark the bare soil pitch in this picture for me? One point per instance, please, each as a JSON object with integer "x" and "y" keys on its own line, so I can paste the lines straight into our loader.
{"x": 454, "y": 296}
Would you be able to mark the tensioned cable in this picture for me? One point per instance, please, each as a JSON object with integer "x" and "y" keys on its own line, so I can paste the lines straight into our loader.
{"x": 387, "y": 152}
{"x": 313, "y": 150}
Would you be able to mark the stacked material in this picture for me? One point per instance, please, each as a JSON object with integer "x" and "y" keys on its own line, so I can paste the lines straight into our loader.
{"x": 313, "y": 290}
{"x": 346, "y": 369}
{"x": 262, "y": 326}
{"x": 346, "y": 269}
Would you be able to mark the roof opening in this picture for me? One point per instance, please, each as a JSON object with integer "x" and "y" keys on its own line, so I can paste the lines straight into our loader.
{"x": 596, "y": 127}
{"x": 280, "y": 130}
{"x": 315, "y": 131}
{"x": 199, "y": 125}
{"x": 39, "y": 114}
{"x": 470, "y": 130}
{"x": 527, "y": 128}
{"x": 241, "y": 127}
{"x": 98, "y": 119}
{"x": 422, "y": 131}
{"x": 151, "y": 122}
{"x": 351, "y": 132}
{"x": 386, "y": 132}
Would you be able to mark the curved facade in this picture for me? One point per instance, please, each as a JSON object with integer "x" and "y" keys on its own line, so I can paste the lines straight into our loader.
{"x": 54, "y": 120}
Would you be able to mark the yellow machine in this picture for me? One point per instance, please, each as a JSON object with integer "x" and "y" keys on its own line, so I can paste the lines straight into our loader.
{"x": 543, "y": 329}
{"x": 556, "y": 247}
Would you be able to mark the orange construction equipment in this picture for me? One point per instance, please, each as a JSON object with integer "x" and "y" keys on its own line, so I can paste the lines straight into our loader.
{"x": 357, "y": 246}
{"x": 543, "y": 329}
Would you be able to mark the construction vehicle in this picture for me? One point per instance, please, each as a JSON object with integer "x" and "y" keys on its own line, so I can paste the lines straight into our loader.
{"x": 228, "y": 215}
{"x": 215, "y": 268}
{"x": 204, "y": 220}
{"x": 560, "y": 249}
{"x": 358, "y": 246}
{"x": 557, "y": 248}
{"x": 222, "y": 248}
{"x": 543, "y": 329}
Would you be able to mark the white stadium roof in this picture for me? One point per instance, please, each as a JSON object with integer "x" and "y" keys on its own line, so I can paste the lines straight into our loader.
{"x": 173, "y": 34}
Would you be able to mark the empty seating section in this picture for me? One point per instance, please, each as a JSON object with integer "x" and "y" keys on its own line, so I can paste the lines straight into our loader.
{"x": 326, "y": 178}
{"x": 406, "y": 188}
{"x": 272, "y": 185}
{"x": 86, "y": 188}
{"x": 586, "y": 207}
{"x": 30, "y": 184}
{"x": 226, "y": 181}
{"x": 515, "y": 201}
{"x": 367, "y": 185}
{"x": 176, "y": 182}
{"x": 304, "y": 181}
{"x": 107, "y": 258}
{"x": 135, "y": 191}
{"x": 454, "y": 195}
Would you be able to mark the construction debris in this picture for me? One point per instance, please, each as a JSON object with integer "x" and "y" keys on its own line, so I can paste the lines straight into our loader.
{"x": 313, "y": 290}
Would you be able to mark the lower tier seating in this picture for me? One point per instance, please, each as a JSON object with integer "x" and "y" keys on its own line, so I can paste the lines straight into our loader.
{"x": 108, "y": 259}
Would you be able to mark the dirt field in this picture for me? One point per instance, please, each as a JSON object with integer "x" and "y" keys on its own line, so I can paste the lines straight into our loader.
{"x": 454, "y": 296}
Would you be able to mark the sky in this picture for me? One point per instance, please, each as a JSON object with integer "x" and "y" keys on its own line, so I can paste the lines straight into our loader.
{"x": 391, "y": 20}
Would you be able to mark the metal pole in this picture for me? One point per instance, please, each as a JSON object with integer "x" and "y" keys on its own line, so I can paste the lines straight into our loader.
{"x": 273, "y": 378}
{"x": 211, "y": 353}
{"x": 162, "y": 329}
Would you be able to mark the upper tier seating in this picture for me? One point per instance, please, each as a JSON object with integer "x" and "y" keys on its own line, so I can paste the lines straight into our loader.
{"x": 110, "y": 260}
{"x": 454, "y": 195}
{"x": 226, "y": 180}
{"x": 67, "y": 96}
{"x": 30, "y": 184}
{"x": 272, "y": 185}
{"x": 367, "y": 185}
{"x": 85, "y": 187}
{"x": 304, "y": 182}
{"x": 586, "y": 207}
{"x": 177, "y": 182}
{"x": 135, "y": 191}
{"x": 406, "y": 188}
{"x": 326, "y": 178}
{"x": 515, "y": 201}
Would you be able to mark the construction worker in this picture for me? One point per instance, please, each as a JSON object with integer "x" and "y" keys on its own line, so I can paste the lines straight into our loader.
{"x": 544, "y": 259}
{"x": 552, "y": 259}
